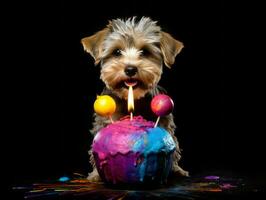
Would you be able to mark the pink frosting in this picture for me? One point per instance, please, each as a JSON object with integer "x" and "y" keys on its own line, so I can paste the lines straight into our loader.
{"x": 117, "y": 137}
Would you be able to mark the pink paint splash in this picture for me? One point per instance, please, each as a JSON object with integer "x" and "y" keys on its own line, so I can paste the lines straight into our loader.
{"x": 227, "y": 186}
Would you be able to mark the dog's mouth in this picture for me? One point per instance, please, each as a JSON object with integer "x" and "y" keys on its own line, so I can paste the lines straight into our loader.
{"x": 126, "y": 83}
{"x": 131, "y": 82}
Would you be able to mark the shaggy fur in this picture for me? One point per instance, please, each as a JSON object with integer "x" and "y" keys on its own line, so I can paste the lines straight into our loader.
{"x": 143, "y": 46}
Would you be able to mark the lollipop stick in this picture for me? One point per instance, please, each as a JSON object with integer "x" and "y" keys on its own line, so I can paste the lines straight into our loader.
{"x": 111, "y": 119}
{"x": 156, "y": 123}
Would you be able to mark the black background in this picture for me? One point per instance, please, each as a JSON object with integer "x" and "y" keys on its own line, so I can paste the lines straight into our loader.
{"x": 215, "y": 84}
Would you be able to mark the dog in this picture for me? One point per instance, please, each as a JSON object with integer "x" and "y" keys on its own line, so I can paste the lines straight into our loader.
{"x": 132, "y": 52}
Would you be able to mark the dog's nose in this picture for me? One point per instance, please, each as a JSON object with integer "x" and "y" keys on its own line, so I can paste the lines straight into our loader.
{"x": 131, "y": 70}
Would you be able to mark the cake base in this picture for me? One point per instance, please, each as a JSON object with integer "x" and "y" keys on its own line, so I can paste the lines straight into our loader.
{"x": 135, "y": 169}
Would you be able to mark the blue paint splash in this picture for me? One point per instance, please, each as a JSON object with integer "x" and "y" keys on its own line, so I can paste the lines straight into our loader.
{"x": 64, "y": 179}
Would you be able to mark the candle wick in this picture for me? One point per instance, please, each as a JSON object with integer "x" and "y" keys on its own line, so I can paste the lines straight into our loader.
{"x": 157, "y": 121}
{"x": 111, "y": 119}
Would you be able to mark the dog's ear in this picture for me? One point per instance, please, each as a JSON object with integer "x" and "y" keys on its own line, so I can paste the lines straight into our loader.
{"x": 170, "y": 47}
{"x": 94, "y": 44}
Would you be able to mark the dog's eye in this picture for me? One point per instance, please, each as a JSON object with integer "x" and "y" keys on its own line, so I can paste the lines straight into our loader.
{"x": 117, "y": 52}
{"x": 144, "y": 52}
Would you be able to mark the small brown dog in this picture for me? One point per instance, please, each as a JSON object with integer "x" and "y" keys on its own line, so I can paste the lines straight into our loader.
{"x": 132, "y": 52}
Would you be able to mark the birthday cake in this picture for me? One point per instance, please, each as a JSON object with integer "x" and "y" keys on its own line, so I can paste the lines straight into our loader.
{"x": 133, "y": 151}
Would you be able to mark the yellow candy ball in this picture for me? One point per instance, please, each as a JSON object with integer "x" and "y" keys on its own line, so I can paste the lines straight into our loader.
{"x": 104, "y": 105}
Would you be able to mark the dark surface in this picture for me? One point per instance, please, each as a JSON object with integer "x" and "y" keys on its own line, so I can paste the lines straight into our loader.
{"x": 216, "y": 84}
{"x": 214, "y": 185}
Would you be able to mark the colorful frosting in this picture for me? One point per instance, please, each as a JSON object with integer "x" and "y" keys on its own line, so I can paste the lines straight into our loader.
{"x": 132, "y": 151}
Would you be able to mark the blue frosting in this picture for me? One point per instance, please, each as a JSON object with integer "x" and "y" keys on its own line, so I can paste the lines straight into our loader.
{"x": 154, "y": 141}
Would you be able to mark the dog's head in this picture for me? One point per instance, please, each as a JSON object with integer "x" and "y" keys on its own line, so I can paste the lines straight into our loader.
{"x": 132, "y": 52}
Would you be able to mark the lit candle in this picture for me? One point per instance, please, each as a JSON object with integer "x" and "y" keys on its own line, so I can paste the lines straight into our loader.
{"x": 105, "y": 106}
{"x": 130, "y": 102}
{"x": 161, "y": 105}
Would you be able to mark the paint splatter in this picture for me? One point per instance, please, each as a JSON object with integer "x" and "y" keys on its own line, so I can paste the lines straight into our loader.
{"x": 227, "y": 186}
{"x": 64, "y": 179}
{"x": 212, "y": 177}
{"x": 187, "y": 189}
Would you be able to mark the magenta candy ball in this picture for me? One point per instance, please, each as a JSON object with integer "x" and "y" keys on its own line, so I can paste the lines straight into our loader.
{"x": 162, "y": 105}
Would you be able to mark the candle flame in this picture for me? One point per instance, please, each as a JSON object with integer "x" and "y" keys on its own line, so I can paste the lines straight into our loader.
{"x": 130, "y": 100}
